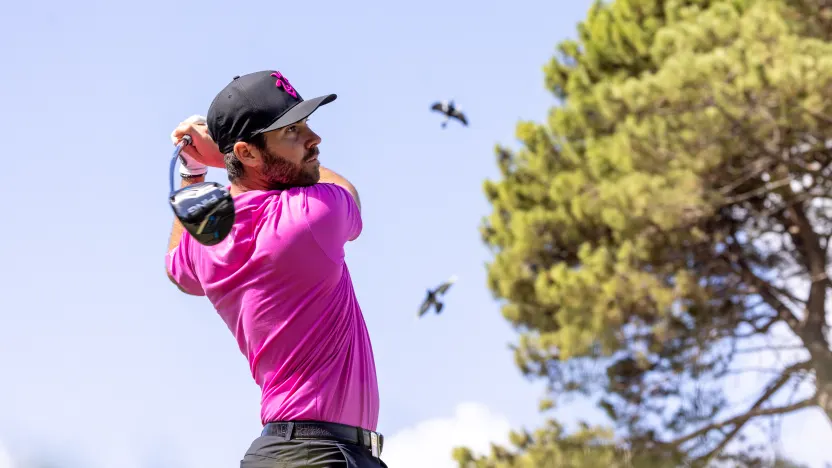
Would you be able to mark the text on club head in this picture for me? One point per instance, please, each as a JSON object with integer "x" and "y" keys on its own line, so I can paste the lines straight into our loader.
{"x": 202, "y": 204}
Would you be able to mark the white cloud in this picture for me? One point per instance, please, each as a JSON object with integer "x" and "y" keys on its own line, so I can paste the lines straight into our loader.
{"x": 5, "y": 457}
{"x": 430, "y": 443}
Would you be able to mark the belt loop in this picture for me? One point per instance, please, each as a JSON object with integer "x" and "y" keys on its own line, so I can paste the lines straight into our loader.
{"x": 375, "y": 449}
{"x": 290, "y": 428}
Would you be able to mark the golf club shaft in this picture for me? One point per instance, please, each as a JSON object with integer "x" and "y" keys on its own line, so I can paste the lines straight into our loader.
{"x": 186, "y": 140}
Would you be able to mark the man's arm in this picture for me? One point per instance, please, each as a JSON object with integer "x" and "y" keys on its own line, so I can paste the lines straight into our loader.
{"x": 178, "y": 229}
{"x": 330, "y": 177}
{"x": 332, "y": 210}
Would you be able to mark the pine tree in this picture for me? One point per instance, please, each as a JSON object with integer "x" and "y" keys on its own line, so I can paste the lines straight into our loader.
{"x": 671, "y": 216}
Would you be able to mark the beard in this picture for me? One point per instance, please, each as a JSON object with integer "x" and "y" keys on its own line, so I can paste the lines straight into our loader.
{"x": 282, "y": 173}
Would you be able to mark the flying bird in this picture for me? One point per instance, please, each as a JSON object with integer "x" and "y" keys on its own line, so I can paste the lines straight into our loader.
{"x": 432, "y": 297}
{"x": 451, "y": 111}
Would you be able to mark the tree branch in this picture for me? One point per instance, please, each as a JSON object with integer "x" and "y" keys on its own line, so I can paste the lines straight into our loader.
{"x": 758, "y": 330}
{"x": 770, "y": 348}
{"x": 773, "y": 388}
{"x": 747, "y": 370}
{"x": 808, "y": 242}
{"x": 755, "y": 411}
{"x": 764, "y": 289}
{"x": 762, "y": 190}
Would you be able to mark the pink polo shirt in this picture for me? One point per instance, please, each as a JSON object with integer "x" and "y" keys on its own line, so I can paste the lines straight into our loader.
{"x": 280, "y": 283}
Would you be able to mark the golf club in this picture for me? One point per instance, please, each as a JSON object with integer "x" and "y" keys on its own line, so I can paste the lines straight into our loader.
{"x": 206, "y": 209}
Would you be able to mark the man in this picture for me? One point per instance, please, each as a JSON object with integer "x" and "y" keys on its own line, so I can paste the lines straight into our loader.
{"x": 279, "y": 280}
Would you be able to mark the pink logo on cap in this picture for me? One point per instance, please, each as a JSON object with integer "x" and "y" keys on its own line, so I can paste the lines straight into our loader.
{"x": 282, "y": 82}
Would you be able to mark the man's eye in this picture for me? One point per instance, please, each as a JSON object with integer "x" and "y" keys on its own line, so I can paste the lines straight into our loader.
{"x": 292, "y": 128}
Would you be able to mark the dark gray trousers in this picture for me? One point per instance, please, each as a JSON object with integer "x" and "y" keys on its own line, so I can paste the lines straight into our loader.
{"x": 277, "y": 452}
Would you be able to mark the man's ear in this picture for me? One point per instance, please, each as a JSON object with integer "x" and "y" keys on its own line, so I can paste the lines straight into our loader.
{"x": 246, "y": 153}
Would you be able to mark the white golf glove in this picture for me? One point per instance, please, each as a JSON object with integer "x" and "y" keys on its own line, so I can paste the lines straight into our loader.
{"x": 189, "y": 166}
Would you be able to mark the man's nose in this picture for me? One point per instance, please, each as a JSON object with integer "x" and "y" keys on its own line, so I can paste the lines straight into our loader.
{"x": 313, "y": 139}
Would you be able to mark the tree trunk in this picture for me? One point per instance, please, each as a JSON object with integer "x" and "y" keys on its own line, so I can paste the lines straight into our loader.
{"x": 822, "y": 363}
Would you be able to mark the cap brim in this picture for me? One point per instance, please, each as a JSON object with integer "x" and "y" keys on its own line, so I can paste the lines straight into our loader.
{"x": 300, "y": 111}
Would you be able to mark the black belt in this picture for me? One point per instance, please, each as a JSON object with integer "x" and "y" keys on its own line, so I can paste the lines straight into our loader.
{"x": 326, "y": 430}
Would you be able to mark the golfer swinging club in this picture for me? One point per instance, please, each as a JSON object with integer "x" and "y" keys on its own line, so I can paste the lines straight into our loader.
{"x": 279, "y": 280}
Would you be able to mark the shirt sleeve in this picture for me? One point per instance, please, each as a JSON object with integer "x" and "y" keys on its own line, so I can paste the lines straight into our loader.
{"x": 333, "y": 218}
{"x": 180, "y": 267}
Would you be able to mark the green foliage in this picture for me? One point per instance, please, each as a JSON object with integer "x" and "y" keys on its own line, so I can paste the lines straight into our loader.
{"x": 784, "y": 463}
{"x": 551, "y": 447}
{"x": 644, "y": 233}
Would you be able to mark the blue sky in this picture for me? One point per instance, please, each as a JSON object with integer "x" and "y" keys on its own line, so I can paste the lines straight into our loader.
{"x": 104, "y": 362}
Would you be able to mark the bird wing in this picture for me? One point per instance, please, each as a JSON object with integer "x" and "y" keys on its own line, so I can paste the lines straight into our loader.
{"x": 424, "y": 308}
{"x": 430, "y": 299}
{"x": 461, "y": 117}
{"x": 443, "y": 288}
{"x": 437, "y": 106}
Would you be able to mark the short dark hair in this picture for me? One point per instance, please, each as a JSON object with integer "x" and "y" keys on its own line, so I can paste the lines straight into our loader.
{"x": 234, "y": 166}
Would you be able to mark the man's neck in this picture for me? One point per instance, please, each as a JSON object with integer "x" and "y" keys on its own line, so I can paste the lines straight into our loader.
{"x": 238, "y": 187}
{"x": 243, "y": 185}
{"x": 248, "y": 183}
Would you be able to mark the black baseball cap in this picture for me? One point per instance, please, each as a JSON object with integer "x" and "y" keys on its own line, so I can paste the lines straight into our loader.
{"x": 257, "y": 103}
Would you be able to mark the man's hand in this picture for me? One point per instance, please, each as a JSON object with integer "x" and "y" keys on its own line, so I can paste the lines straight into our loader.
{"x": 203, "y": 151}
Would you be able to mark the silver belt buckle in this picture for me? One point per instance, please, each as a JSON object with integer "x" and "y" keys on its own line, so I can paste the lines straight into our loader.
{"x": 374, "y": 444}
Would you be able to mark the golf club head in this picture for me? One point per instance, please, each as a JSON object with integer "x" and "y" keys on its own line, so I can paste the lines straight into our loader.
{"x": 206, "y": 210}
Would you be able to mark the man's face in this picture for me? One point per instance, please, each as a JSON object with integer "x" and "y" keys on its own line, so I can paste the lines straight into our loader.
{"x": 290, "y": 158}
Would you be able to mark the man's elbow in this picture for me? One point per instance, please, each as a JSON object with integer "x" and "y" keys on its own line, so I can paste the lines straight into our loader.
{"x": 170, "y": 277}
{"x": 172, "y": 280}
